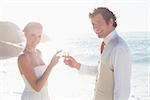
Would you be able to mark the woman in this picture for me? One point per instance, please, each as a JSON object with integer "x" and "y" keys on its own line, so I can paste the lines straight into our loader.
{"x": 32, "y": 68}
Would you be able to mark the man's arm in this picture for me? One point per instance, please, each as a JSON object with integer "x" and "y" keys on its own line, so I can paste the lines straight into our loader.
{"x": 122, "y": 73}
{"x": 83, "y": 69}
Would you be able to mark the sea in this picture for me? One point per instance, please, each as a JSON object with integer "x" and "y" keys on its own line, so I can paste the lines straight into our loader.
{"x": 66, "y": 83}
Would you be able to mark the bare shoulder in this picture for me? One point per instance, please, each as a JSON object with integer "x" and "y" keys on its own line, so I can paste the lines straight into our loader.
{"x": 23, "y": 59}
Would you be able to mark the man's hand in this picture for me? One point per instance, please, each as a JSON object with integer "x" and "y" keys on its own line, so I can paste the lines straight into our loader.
{"x": 70, "y": 61}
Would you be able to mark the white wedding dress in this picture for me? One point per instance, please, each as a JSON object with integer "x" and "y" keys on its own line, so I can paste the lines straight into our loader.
{"x": 31, "y": 94}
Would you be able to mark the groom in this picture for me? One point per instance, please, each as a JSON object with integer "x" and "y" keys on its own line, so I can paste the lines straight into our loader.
{"x": 114, "y": 70}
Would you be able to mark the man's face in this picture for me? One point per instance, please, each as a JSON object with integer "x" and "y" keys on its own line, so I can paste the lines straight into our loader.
{"x": 100, "y": 26}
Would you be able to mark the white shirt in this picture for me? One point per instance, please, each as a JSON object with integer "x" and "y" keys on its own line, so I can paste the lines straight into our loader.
{"x": 121, "y": 61}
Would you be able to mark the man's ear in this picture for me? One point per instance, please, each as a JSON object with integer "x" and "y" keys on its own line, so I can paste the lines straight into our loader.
{"x": 111, "y": 22}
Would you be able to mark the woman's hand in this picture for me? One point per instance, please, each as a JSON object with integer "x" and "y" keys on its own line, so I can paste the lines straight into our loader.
{"x": 55, "y": 59}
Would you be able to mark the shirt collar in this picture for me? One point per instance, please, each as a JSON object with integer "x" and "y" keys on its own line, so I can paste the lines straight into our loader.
{"x": 110, "y": 36}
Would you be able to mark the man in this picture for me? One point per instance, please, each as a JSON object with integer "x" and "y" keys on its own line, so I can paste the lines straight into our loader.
{"x": 114, "y": 71}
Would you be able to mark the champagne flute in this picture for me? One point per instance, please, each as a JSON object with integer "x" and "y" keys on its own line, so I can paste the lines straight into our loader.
{"x": 65, "y": 55}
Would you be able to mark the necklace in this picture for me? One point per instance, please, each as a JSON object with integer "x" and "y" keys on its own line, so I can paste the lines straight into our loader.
{"x": 31, "y": 52}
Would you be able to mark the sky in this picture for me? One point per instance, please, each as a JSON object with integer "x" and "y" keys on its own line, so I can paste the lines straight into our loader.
{"x": 69, "y": 17}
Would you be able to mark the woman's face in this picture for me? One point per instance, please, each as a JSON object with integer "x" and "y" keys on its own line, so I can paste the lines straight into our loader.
{"x": 33, "y": 36}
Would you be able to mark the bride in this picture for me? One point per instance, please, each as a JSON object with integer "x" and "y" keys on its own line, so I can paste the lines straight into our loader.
{"x": 32, "y": 68}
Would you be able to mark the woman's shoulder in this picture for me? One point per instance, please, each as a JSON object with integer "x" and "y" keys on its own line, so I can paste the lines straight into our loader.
{"x": 24, "y": 61}
{"x": 22, "y": 56}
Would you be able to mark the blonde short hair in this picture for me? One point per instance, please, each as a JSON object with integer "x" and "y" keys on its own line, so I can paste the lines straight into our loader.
{"x": 32, "y": 25}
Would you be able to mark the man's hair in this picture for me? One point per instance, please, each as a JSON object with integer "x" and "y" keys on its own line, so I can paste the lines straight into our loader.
{"x": 106, "y": 14}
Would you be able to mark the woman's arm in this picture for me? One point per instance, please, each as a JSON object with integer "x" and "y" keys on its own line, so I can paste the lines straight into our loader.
{"x": 28, "y": 71}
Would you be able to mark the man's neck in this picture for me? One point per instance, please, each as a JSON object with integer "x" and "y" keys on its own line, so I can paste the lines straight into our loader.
{"x": 111, "y": 30}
